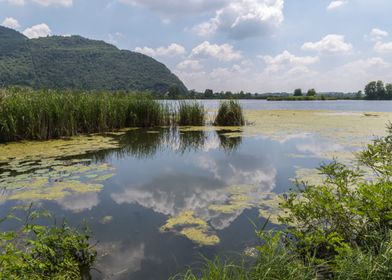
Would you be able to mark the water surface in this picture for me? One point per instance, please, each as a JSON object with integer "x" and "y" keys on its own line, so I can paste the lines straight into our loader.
{"x": 158, "y": 175}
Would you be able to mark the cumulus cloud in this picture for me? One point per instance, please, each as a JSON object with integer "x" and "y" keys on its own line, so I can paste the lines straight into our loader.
{"x": 223, "y": 52}
{"x": 16, "y": 2}
{"x": 178, "y": 7}
{"x": 36, "y": 31}
{"x": 171, "y": 50}
{"x": 189, "y": 65}
{"x": 46, "y": 3}
{"x": 244, "y": 18}
{"x": 286, "y": 60}
{"x": 10, "y": 23}
{"x": 383, "y": 47}
{"x": 377, "y": 34}
{"x": 331, "y": 43}
{"x": 336, "y": 4}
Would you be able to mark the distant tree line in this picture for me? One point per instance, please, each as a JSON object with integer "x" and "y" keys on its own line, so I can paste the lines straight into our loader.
{"x": 376, "y": 90}
{"x": 298, "y": 94}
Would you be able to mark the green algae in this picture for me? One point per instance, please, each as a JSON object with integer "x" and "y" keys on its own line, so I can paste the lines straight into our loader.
{"x": 309, "y": 176}
{"x": 185, "y": 218}
{"x": 350, "y": 130}
{"x": 237, "y": 200}
{"x": 103, "y": 178}
{"x": 55, "y": 191}
{"x": 269, "y": 207}
{"x": 195, "y": 229}
{"x": 199, "y": 236}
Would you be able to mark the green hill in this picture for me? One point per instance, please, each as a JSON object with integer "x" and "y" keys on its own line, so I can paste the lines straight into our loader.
{"x": 75, "y": 62}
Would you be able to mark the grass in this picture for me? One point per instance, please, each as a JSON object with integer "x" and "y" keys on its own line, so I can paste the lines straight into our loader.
{"x": 229, "y": 114}
{"x": 42, "y": 115}
{"x": 191, "y": 114}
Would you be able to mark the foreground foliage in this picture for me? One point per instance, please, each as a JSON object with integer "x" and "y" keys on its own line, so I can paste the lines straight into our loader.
{"x": 44, "y": 252}
{"x": 340, "y": 229}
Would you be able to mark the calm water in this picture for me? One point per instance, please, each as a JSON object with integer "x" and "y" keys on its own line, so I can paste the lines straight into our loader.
{"x": 340, "y": 105}
{"x": 162, "y": 173}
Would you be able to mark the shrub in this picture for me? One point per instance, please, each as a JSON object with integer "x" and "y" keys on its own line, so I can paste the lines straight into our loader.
{"x": 45, "y": 252}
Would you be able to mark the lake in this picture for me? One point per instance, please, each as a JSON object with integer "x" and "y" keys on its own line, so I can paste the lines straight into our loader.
{"x": 160, "y": 200}
{"x": 339, "y": 105}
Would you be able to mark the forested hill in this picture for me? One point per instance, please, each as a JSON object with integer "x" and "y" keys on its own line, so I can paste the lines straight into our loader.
{"x": 75, "y": 62}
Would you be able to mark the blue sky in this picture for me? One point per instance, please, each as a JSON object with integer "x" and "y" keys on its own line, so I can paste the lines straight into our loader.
{"x": 250, "y": 45}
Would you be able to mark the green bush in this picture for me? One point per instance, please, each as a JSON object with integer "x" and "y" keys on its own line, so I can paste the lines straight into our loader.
{"x": 229, "y": 114}
{"x": 45, "y": 252}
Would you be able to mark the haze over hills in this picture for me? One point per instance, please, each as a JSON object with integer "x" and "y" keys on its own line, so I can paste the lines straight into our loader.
{"x": 75, "y": 62}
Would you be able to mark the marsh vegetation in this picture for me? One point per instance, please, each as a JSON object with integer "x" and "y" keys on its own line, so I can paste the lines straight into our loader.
{"x": 43, "y": 115}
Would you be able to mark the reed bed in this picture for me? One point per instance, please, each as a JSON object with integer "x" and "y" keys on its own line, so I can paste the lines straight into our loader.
{"x": 48, "y": 114}
{"x": 230, "y": 114}
{"x": 42, "y": 115}
{"x": 191, "y": 113}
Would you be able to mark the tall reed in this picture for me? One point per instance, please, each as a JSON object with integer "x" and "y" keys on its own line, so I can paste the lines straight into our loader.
{"x": 191, "y": 113}
{"x": 230, "y": 114}
{"x": 41, "y": 115}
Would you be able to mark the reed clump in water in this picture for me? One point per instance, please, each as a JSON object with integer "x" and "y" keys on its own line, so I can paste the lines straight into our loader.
{"x": 191, "y": 113}
{"x": 42, "y": 115}
{"x": 230, "y": 114}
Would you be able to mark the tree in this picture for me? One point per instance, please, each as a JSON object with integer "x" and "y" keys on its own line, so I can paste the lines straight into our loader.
{"x": 311, "y": 92}
{"x": 380, "y": 90}
{"x": 174, "y": 92}
{"x": 358, "y": 95}
{"x": 388, "y": 91}
{"x": 192, "y": 93}
{"x": 371, "y": 90}
{"x": 209, "y": 93}
{"x": 298, "y": 92}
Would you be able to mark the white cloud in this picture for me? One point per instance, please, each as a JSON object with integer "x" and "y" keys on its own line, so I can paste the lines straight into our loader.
{"x": 16, "y": 2}
{"x": 244, "y": 18}
{"x": 223, "y": 52}
{"x": 332, "y": 43}
{"x": 171, "y": 50}
{"x": 10, "y": 23}
{"x": 377, "y": 34}
{"x": 336, "y": 4}
{"x": 189, "y": 65}
{"x": 46, "y": 3}
{"x": 383, "y": 47}
{"x": 178, "y": 7}
{"x": 36, "y": 31}
{"x": 286, "y": 60}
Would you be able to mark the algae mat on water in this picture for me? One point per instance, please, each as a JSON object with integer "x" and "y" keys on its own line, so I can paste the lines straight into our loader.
{"x": 345, "y": 128}
{"x": 43, "y": 170}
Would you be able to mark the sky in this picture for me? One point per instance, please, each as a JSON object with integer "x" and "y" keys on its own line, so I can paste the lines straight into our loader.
{"x": 250, "y": 45}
